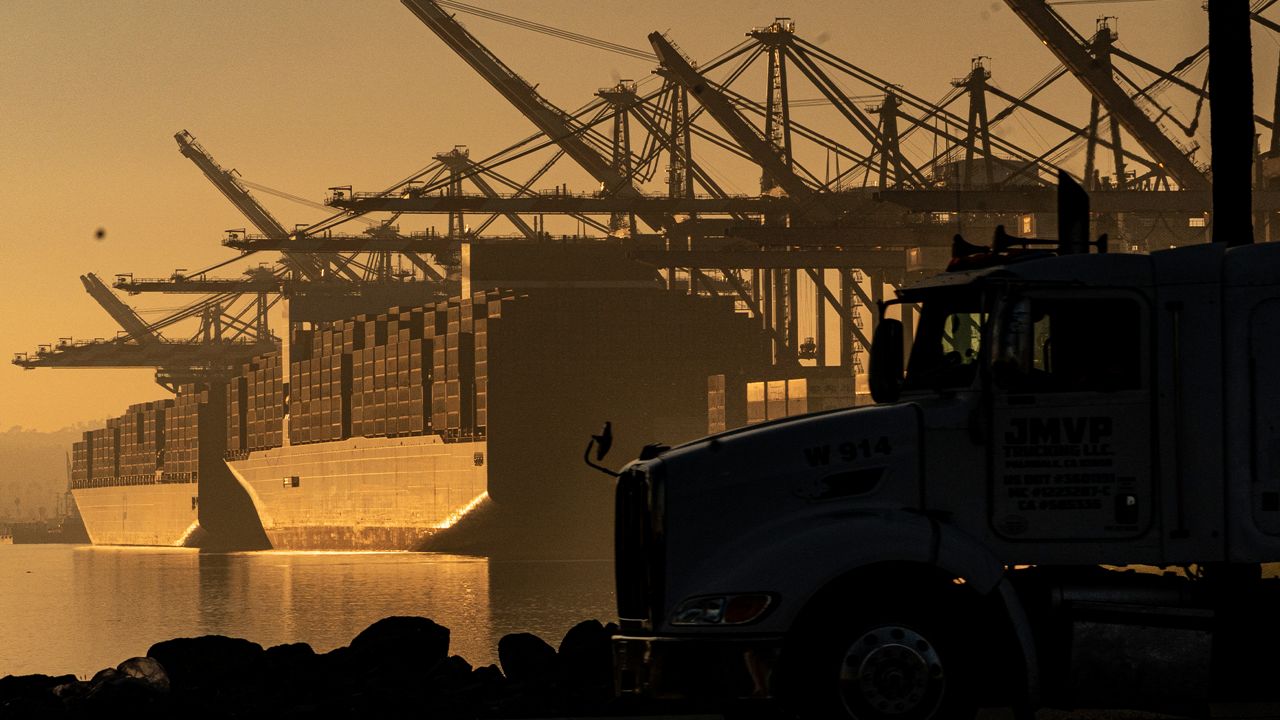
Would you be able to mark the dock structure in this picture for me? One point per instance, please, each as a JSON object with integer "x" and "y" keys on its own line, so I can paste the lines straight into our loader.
{"x": 847, "y": 211}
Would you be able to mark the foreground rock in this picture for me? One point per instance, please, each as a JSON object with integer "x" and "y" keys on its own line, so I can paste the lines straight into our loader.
{"x": 399, "y": 666}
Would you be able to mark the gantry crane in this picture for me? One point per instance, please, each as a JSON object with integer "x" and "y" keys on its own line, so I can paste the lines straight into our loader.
{"x": 974, "y": 138}
{"x": 233, "y": 314}
{"x": 314, "y": 269}
{"x": 223, "y": 341}
{"x": 809, "y": 204}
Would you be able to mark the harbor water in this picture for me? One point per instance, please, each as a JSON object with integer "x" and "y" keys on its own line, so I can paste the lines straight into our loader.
{"x": 78, "y": 609}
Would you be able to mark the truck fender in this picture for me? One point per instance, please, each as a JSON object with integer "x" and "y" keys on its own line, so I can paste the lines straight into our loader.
{"x": 799, "y": 559}
{"x": 1020, "y": 626}
{"x": 962, "y": 554}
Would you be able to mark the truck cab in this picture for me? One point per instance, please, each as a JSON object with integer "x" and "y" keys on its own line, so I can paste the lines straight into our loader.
{"x": 1067, "y": 494}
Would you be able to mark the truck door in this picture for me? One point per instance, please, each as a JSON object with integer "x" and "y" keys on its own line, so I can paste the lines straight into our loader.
{"x": 1264, "y": 377}
{"x": 1071, "y": 436}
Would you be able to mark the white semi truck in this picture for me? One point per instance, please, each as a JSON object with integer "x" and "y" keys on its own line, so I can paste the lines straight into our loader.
{"x": 1067, "y": 497}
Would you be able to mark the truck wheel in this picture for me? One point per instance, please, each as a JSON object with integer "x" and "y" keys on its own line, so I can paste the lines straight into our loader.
{"x": 895, "y": 664}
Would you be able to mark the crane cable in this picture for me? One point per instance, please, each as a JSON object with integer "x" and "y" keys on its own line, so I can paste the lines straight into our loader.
{"x": 549, "y": 30}
{"x": 294, "y": 198}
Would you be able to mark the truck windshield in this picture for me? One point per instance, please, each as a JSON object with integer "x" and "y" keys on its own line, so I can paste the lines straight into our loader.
{"x": 947, "y": 339}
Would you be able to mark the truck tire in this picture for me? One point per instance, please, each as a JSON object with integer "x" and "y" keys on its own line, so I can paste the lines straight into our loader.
{"x": 889, "y": 661}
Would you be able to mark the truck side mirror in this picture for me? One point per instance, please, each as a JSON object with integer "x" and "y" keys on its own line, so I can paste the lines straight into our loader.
{"x": 604, "y": 440}
{"x": 601, "y": 443}
{"x": 886, "y": 361}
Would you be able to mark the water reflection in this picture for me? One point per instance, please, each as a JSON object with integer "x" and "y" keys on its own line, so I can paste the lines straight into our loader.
{"x": 66, "y": 609}
{"x": 325, "y": 599}
{"x": 542, "y": 595}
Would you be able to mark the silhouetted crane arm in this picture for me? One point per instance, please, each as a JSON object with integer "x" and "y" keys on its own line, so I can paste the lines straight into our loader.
{"x": 1017, "y": 102}
{"x": 169, "y": 354}
{"x": 345, "y": 243}
{"x": 1064, "y": 44}
{"x": 524, "y": 228}
{"x": 551, "y": 120}
{"x": 1175, "y": 80}
{"x": 427, "y": 271}
{"x": 120, "y": 312}
{"x": 204, "y": 286}
{"x": 1269, "y": 24}
{"x": 807, "y": 201}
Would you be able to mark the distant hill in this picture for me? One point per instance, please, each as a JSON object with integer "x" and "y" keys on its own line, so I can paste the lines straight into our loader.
{"x": 33, "y": 471}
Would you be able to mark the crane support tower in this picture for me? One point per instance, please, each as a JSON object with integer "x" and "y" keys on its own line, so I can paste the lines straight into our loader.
{"x": 808, "y": 202}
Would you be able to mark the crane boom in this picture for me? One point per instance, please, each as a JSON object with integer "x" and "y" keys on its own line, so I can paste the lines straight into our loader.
{"x": 226, "y": 181}
{"x": 557, "y": 125}
{"x": 1051, "y": 30}
{"x": 808, "y": 203}
{"x": 120, "y": 312}
{"x": 239, "y": 196}
{"x": 169, "y": 354}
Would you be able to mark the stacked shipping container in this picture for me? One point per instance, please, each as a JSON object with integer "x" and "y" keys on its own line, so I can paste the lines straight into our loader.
{"x": 142, "y": 441}
{"x": 733, "y": 402}
{"x": 408, "y": 371}
{"x": 414, "y": 371}
{"x": 261, "y": 409}
{"x": 237, "y": 416}
{"x": 80, "y": 462}
{"x": 182, "y": 435}
{"x": 383, "y": 382}
{"x": 368, "y": 376}
{"x": 405, "y": 379}
{"x": 103, "y": 444}
{"x": 453, "y": 370}
{"x": 320, "y": 378}
{"x": 152, "y": 442}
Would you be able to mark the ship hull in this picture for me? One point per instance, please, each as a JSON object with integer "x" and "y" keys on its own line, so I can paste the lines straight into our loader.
{"x": 149, "y": 514}
{"x": 363, "y": 493}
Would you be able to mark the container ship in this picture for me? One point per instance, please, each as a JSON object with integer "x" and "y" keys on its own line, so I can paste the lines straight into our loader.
{"x": 344, "y": 451}
{"x": 381, "y": 431}
{"x": 399, "y": 424}
{"x": 134, "y": 481}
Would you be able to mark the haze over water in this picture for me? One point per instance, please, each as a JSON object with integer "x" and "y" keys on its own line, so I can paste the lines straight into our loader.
{"x": 78, "y": 609}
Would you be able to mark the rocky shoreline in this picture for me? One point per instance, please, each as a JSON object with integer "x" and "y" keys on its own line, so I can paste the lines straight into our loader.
{"x": 397, "y": 667}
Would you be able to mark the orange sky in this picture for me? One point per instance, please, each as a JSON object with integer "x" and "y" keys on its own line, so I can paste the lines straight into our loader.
{"x": 300, "y": 96}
